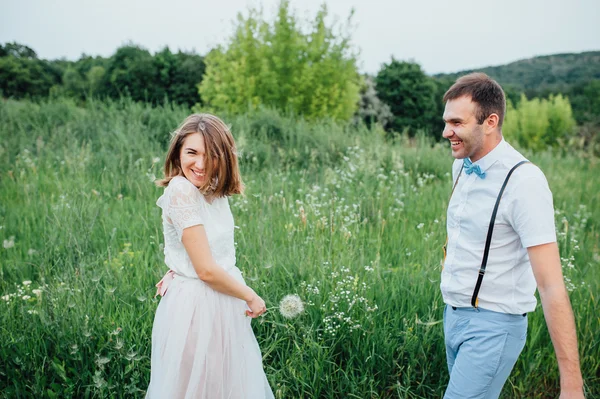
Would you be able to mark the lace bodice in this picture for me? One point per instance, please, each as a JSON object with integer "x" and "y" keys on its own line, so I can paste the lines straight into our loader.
{"x": 184, "y": 206}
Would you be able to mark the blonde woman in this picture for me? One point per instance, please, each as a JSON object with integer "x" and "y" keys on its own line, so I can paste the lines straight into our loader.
{"x": 202, "y": 343}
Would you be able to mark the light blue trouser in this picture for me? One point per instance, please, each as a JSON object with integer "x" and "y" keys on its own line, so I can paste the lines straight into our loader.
{"x": 482, "y": 347}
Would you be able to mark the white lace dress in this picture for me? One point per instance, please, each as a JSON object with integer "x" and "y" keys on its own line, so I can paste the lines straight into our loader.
{"x": 203, "y": 346}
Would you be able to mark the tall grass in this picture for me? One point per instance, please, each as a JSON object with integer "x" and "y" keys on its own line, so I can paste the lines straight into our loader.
{"x": 338, "y": 215}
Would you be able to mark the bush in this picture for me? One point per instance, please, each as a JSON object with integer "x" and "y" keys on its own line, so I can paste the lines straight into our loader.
{"x": 409, "y": 93}
{"x": 539, "y": 123}
{"x": 278, "y": 65}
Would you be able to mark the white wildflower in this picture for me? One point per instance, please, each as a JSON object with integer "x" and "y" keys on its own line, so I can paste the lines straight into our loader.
{"x": 25, "y": 297}
{"x": 291, "y": 306}
{"x": 9, "y": 243}
{"x": 37, "y": 292}
{"x": 101, "y": 361}
{"x": 99, "y": 382}
{"x": 27, "y": 282}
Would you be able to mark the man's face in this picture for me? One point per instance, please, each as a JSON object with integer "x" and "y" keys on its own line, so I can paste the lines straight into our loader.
{"x": 461, "y": 128}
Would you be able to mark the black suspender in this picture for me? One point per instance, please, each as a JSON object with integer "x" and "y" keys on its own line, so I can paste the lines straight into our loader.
{"x": 488, "y": 241}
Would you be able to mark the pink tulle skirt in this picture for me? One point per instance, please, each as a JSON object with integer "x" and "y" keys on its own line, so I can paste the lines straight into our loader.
{"x": 203, "y": 346}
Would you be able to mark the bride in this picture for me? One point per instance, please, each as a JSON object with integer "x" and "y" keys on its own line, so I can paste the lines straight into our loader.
{"x": 202, "y": 343}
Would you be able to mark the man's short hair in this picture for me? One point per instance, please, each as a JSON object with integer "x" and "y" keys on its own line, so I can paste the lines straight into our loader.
{"x": 484, "y": 91}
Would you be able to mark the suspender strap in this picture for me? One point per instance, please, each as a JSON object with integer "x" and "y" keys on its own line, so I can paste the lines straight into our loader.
{"x": 488, "y": 241}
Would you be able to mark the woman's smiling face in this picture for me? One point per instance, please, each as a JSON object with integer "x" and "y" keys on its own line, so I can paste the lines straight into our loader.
{"x": 193, "y": 159}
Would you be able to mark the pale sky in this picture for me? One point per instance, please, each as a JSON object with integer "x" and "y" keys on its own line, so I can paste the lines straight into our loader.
{"x": 440, "y": 35}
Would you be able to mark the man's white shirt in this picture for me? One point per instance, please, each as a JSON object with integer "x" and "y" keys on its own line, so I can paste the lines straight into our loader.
{"x": 525, "y": 218}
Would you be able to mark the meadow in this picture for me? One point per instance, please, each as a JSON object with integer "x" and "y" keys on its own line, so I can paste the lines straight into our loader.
{"x": 349, "y": 220}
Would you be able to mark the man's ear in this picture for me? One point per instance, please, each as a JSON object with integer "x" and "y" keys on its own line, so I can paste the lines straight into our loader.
{"x": 491, "y": 123}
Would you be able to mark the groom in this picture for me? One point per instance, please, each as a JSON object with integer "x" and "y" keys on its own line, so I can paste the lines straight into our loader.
{"x": 501, "y": 244}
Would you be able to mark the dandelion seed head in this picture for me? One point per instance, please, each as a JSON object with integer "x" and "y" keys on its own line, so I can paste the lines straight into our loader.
{"x": 291, "y": 306}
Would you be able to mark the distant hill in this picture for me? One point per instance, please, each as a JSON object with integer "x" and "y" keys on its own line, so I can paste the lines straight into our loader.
{"x": 549, "y": 73}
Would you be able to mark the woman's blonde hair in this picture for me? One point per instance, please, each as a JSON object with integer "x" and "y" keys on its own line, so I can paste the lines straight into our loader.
{"x": 221, "y": 165}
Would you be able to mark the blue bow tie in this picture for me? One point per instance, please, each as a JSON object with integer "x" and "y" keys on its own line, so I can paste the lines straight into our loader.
{"x": 470, "y": 167}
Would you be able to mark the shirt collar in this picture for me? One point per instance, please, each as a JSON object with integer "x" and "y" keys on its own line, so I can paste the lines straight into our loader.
{"x": 491, "y": 157}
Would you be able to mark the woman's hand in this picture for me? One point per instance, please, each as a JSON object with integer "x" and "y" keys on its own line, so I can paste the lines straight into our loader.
{"x": 257, "y": 306}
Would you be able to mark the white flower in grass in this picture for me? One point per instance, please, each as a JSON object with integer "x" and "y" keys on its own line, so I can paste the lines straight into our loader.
{"x": 37, "y": 292}
{"x": 291, "y": 306}
{"x": 25, "y": 297}
{"x": 27, "y": 282}
{"x": 101, "y": 361}
{"x": 9, "y": 243}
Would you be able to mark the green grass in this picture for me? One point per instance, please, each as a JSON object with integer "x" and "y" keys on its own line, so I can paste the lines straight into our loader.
{"x": 352, "y": 223}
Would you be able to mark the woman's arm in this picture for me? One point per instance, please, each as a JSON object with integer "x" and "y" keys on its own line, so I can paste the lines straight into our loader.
{"x": 196, "y": 244}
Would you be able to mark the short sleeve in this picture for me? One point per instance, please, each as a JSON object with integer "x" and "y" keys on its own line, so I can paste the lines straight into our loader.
{"x": 532, "y": 211}
{"x": 184, "y": 205}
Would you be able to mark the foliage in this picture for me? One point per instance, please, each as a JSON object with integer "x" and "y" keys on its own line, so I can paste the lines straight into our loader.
{"x": 17, "y": 50}
{"x": 131, "y": 71}
{"x": 280, "y": 65}
{"x": 371, "y": 109}
{"x": 350, "y": 222}
{"x": 585, "y": 99}
{"x": 410, "y": 95}
{"x": 539, "y": 123}
{"x": 22, "y": 74}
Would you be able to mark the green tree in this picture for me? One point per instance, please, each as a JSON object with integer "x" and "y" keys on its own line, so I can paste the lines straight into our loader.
{"x": 131, "y": 71}
{"x": 74, "y": 85}
{"x": 179, "y": 75}
{"x": 585, "y": 99}
{"x": 26, "y": 77}
{"x": 17, "y": 50}
{"x": 539, "y": 123}
{"x": 277, "y": 64}
{"x": 94, "y": 78}
{"x": 410, "y": 94}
